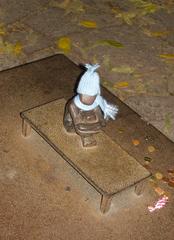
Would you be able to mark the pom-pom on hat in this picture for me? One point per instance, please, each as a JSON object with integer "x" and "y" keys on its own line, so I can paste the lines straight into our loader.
{"x": 90, "y": 81}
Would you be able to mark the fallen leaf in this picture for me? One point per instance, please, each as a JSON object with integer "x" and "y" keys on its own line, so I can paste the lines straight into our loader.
{"x": 167, "y": 56}
{"x": 121, "y": 130}
{"x": 158, "y": 175}
{"x": 156, "y": 34}
{"x": 75, "y": 6}
{"x": 145, "y": 6}
{"x": 109, "y": 42}
{"x": 159, "y": 191}
{"x": 121, "y": 85}
{"x": 18, "y": 48}
{"x": 88, "y": 24}
{"x": 64, "y": 43}
{"x": 151, "y": 148}
{"x": 135, "y": 142}
{"x": 147, "y": 159}
{"x": 10, "y": 48}
{"x": 127, "y": 17}
{"x": 165, "y": 179}
{"x": 2, "y": 30}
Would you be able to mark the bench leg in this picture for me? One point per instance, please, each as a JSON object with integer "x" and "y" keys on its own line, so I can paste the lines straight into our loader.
{"x": 26, "y": 128}
{"x": 139, "y": 188}
{"x": 105, "y": 203}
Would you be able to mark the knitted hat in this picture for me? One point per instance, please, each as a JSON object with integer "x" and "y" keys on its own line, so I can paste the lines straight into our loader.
{"x": 90, "y": 81}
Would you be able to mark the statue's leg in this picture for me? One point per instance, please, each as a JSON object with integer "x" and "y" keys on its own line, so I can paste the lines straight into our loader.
{"x": 88, "y": 141}
{"x": 105, "y": 203}
{"x": 68, "y": 122}
{"x": 26, "y": 128}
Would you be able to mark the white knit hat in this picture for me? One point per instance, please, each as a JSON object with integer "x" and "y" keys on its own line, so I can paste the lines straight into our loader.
{"x": 90, "y": 81}
{"x": 90, "y": 85}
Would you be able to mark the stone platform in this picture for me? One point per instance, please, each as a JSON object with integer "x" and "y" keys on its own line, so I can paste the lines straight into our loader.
{"x": 107, "y": 167}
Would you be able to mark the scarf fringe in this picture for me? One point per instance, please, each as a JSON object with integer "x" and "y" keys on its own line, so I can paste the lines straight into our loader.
{"x": 110, "y": 110}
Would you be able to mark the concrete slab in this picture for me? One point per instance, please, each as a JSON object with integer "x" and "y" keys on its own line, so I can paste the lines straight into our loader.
{"x": 107, "y": 167}
{"x": 40, "y": 198}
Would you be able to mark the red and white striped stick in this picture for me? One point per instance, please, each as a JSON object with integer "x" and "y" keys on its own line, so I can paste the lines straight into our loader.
{"x": 159, "y": 204}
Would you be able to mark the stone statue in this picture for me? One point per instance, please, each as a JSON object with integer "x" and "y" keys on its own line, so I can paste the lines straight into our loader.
{"x": 88, "y": 111}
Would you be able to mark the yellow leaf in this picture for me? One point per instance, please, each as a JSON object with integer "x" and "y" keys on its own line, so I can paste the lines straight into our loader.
{"x": 63, "y": 5}
{"x": 116, "y": 10}
{"x": 88, "y": 24}
{"x": 156, "y": 34}
{"x": 127, "y": 17}
{"x": 151, "y": 148}
{"x": 2, "y": 30}
{"x": 121, "y": 85}
{"x": 109, "y": 42}
{"x": 167, "y": 56}
{"x": 75, "y": 6}
{"x": 17, "y": 48}
{"x": 158, "y": 175}
{"x": 145, "y": 6}
{"x": 64, "y": 43}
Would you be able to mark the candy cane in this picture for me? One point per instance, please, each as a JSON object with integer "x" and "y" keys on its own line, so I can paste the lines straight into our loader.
{"x": 159, "y": 204}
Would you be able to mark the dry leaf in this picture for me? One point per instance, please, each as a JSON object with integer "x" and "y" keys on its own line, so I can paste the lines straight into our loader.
{"x": 159, "y": 191}
{"x": 145, "y": 6}
{"x": 2, "y": 30}
{"x": 158, "y": 175}
{"x": 156, "y": 34}
{"x": 127, "y": 17}
{"x": 88, "y": 24}
{"x": 167, "y": 56}
{"x": 75, "y": 6}
{"x": 64, "y": 43}
{"x": 165, "y": 179}
{"x": 147, "y": 159}
{"x": 110, "y": 42}
{"x": 151, "y": 148}
{"x": 135, "y": 142}
{"x": 18, "y": 48}
{"x": 121, "y": 85}
{"x": 10, "y": 48}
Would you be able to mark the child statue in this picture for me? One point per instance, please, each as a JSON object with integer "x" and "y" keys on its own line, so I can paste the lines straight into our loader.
{"x": 87, "y": 112}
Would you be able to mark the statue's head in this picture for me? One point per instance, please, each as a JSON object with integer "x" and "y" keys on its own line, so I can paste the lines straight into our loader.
{"x": 89, "y": 85}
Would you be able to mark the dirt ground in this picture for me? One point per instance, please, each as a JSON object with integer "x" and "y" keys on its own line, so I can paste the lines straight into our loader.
{"x": 40, "y": 196}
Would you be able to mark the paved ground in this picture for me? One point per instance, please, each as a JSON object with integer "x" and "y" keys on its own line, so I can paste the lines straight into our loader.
{"x": 133, "y": 42}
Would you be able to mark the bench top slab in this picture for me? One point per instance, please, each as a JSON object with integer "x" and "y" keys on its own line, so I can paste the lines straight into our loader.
{"x": 107, "y": 166}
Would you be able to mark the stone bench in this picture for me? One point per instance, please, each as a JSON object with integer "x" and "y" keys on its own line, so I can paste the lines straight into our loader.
{"x": 107, "y": 167}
